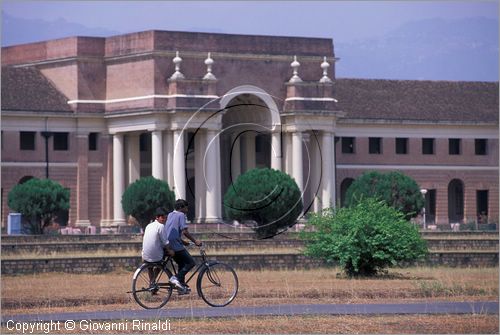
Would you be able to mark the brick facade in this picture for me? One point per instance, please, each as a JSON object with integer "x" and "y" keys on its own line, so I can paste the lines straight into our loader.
{"x": 121, "y": 87}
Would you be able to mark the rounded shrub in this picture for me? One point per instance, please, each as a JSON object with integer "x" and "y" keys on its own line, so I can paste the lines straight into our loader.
{"x": 144, "y": 196}
{"x": 39, "y": 201}
{"x": 363, "y": 239}
{"x": 394, "y": 188}
{"x": 270, "y": 198}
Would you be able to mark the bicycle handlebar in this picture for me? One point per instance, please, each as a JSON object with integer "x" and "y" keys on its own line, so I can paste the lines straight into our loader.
{"x": 202, "y": 246}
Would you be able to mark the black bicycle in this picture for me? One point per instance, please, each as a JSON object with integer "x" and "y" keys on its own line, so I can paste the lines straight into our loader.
{"x": 217, "y": 283}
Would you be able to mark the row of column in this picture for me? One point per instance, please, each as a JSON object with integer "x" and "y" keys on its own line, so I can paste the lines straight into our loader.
{"x": 322, "y": 191}
{"x": 168, "y": 150}
{"x": 168, "y": 154}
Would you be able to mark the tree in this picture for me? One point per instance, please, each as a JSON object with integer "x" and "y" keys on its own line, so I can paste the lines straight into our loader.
{"x": 395, "y": 188}
{"x": 269, "y": 197}
{"x": 144, "y": 196}
{"x": 39, "y": 201}
{"x": 364, "y": 239}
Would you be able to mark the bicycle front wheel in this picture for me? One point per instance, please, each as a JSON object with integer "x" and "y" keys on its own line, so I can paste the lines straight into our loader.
{"x": 150, "y": 286}
{"x": 217, "y": 284}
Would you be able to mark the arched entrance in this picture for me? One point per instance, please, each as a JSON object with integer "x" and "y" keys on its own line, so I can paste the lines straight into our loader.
{"x": 249, "y": 119}
{"x": 455, "y": 201}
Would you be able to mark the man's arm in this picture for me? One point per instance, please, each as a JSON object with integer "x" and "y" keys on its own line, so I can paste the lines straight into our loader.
{"x": 186, "y": 233}
{"x": 168, "y": 250}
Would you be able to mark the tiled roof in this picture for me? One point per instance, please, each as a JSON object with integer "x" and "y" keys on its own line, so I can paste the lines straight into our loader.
{"x": 27, "y": 89}
{"x": 414, "y": 100}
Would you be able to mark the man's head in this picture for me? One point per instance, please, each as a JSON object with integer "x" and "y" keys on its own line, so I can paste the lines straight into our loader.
{"x": 181, "y": 205}
{"x": 161, "y": 215}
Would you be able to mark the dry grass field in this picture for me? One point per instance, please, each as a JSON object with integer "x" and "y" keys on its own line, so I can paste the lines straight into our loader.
{"x": 58, "y": 292}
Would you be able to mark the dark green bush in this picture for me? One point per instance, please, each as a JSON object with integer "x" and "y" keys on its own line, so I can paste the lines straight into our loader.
{"x": 39, "y": 201}
{"x": 144, "y": 196}
{"x": 269, "y": 197}
{"x": 395, "y": 188}
{"x": 364, "y": 238}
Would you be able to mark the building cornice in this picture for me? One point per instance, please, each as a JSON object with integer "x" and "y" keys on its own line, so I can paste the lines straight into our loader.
{"x": 185, "y": 54}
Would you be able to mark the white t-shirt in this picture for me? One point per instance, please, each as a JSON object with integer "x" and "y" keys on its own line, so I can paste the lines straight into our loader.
{"x": 153, "y": 242}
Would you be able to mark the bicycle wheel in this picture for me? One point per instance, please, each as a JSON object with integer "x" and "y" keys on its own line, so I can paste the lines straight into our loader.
{"x": 217, "y": 284}
{"x": 150, "y": 286}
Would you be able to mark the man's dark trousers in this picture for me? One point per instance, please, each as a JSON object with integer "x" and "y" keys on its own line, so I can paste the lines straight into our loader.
{"x": 185, "y": 262}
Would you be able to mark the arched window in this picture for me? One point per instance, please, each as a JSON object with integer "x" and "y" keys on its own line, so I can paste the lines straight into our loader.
{"x": 343, "y": 190}
{"x": 25, "y": 179}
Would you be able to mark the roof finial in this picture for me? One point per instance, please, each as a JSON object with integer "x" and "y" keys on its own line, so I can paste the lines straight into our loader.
{"x": 177, "y": 61}
{"x": 295, "y": 65}
{"x": 325, "y": 65}
{"x": 208, "y": 62}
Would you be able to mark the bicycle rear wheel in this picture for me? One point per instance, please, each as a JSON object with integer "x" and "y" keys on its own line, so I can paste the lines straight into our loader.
{"x": 150, "y": 286}
{"x": 217, "y": 284}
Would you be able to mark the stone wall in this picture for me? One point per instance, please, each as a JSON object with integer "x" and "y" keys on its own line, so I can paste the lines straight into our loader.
{"x": 240, "y": 262}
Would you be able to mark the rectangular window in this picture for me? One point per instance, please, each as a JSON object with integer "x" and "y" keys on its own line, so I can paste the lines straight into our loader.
{"x": 401, "y": 146}
{"x": 375, "y": 145}
{"x": 61, "y": 141}
{"x": 144, "y": 142}
{"x": 454, "y": 146}
{"x": 428, "y": 146}
{"x": 27, "y": 140}
{"x": 482, "y": 205}
{"x": 93, "y": 137}
{"x": 481, "y": 145}
{"x": 347, "y": 145}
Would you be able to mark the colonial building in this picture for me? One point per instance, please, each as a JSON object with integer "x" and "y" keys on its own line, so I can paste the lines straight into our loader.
{"x": 197, "y": 110}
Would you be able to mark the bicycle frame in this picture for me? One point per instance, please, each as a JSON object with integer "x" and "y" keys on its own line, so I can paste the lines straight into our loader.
{"x": 204, "y": 263}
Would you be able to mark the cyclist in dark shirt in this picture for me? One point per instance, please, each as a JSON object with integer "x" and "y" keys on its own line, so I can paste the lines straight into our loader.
{"x": 176, "y": 226}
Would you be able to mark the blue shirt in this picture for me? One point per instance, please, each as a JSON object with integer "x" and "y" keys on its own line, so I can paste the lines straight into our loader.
{"x": 176, "y": 223}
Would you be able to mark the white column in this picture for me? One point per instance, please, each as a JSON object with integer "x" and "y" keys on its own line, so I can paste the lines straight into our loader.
{"x": 199, "y": 176}
{"x": 334, "y": 177}
{"x": 328, "y": 194}
{"x": 276, "y": 151}
{"x": 133, "y": 158}
{"x": 218, "y": 195}
{"x": 168, "y": 155}
{"x": 211, "y": 171}
{"x": 249, "y": 150}
{"x": 157, "y": 154}
{"x": 235, "y": 157}
{"x": 118, "y": 179}
{"x": 315, "y": 174}
{"x": 298, "y": 174}
{"x": 289, "y": 153}
{"x": 179, "y": 165}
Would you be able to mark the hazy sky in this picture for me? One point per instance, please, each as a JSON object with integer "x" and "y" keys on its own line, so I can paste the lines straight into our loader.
{"x": 340, "y": 20}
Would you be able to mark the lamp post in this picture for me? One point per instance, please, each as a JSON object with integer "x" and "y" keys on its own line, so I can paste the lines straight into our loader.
{"x": 424, "y": 192}
{"x": 46, "y": 135}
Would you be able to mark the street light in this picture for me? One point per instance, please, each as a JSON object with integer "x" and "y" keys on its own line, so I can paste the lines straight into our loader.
{"x": 424, "y": 192}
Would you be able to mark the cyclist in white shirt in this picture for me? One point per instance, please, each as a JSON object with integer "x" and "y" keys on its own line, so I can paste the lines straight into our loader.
{"x": 155, "y": 245}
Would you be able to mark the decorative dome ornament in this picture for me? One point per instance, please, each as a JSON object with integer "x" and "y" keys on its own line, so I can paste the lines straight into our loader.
{"x": 209, "y": 62}
{"x": 325, "y": 65}
{"x": 177, "y": 61}
{"x": 295, "y": 66}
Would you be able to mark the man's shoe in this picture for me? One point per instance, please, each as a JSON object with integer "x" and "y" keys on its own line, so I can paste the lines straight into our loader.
{"x": 184, "y": 291}
{"x": 176, "y": 282}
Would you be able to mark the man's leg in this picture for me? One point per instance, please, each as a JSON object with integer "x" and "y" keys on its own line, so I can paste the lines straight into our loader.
{"x": 185, "y": 262}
